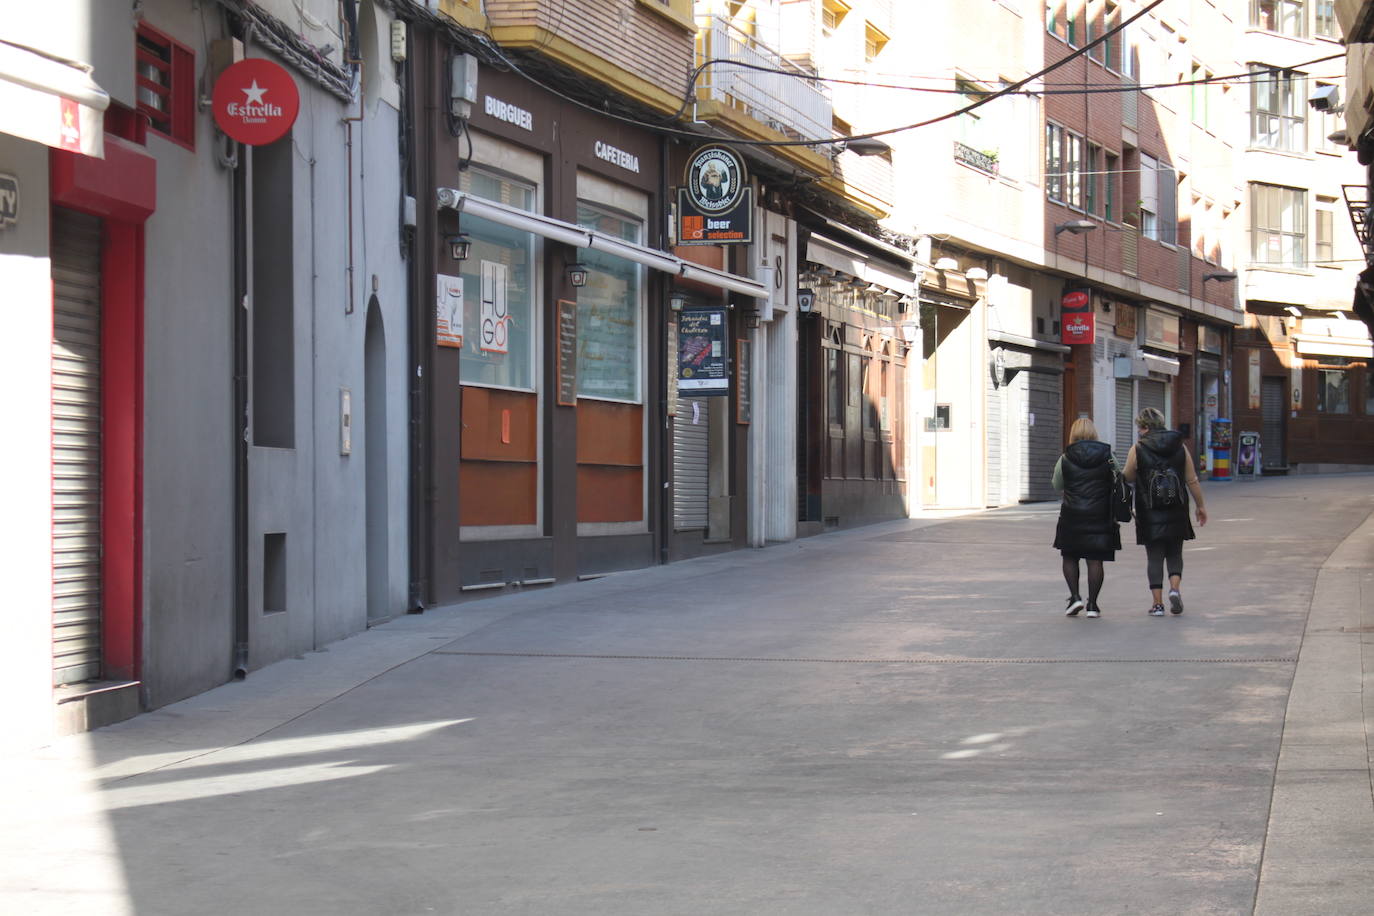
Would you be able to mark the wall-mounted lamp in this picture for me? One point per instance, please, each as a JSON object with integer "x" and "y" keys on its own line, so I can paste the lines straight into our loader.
{"x": 806, "y": 300}
{"x": 676, "y": 301}
{"x": 1293, "y": 310}
{"x": 577, "y": 274}
{"x": 752, "y": 318}
{"x": 1075, "y": 227}
{"x": 976, "y": 273}
{"x": 459, "y": 246}
{"x": 946, "y": 264}
{"x": 1219, "y": 275}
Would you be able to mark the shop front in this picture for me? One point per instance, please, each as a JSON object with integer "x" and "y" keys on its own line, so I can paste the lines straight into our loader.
{"x": 542, "y": 378}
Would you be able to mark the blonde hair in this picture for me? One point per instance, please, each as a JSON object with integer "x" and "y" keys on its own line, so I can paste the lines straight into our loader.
{"x": 1082, "y": 428}
{"x": 1150, "y": 418}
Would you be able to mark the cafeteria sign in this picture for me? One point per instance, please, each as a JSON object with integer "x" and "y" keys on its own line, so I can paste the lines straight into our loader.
{"x": 715, "y": 204}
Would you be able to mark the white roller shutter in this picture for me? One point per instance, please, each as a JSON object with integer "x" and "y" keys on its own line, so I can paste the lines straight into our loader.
{"x": 76, "y": 446}
{"x": 1154, "y": 394}
{"x": 691, "y": 438}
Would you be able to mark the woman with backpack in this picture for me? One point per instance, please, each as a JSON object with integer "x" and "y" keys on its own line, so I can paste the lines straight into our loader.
{"x": 1164, "y": 475}
{"x": 1085, "y": 475}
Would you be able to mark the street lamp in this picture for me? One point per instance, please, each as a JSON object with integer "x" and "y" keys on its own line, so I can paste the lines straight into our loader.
{"x": 1075, "y": 227}
{"x": 1224, "y": 275}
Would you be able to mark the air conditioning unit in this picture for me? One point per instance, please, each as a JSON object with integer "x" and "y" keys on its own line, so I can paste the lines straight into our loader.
{"x": 1131, "y": 367}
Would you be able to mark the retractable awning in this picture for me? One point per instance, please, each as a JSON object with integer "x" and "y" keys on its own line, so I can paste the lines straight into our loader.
{"x": 51, "y": 101}
{"x": 572, "y": 234}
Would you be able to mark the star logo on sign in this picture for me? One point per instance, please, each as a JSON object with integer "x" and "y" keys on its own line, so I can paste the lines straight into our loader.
{"x": 254, "y": 94}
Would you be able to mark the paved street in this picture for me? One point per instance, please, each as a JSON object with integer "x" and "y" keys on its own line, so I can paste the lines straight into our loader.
{"x": 895, "y": 719}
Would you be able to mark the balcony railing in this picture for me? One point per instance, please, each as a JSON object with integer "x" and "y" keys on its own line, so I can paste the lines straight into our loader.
{"x": 792, "y": 105}
{"x": 979, "y": 160}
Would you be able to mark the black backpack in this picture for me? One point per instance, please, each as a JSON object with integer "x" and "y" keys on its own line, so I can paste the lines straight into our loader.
{"x": 1163, "y": 488}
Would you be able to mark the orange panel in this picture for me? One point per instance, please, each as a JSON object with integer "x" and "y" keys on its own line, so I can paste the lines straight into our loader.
{"x": 609, "y": 433}
{"x": 499, "y": 425}
{"x": 497, "y": 493}
{"x": 705, "y": 255}
{"x": 606, "y": 494}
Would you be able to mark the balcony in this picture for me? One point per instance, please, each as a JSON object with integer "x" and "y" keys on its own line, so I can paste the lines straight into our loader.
{"x": 758, "y": 104}
{"x": 867, "y": 180}
{"x": 984, "y": 162}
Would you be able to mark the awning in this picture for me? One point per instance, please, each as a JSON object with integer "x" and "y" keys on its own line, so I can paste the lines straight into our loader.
{"x": 51, "y": 101}
{"x": 1165, "y": 365}
{"x": 1308, "y": 345}
{"x": 570, "y": 234}
{"x": 838, "y": 256}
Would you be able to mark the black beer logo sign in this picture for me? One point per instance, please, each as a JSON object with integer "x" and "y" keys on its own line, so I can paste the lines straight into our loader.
{"x": 715, "y": 179}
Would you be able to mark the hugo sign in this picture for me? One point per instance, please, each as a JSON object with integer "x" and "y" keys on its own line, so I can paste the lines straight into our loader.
{"x": 255, "y": 102}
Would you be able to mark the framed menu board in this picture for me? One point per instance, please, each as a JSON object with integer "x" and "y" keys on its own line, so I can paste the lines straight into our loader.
{"x": 744, "y": 376}
{"x": 567, "y": 353}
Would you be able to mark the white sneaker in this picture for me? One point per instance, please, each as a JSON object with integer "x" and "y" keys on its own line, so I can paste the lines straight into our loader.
{"x": 1093, "y": 612}
{"x": 1075, "y": 604}
{"x": 1175, "y": 601}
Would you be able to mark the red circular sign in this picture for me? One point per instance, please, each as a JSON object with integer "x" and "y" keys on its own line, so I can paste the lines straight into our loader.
{"x": 256, "y": 101}
{"x": 1076, "y": 301}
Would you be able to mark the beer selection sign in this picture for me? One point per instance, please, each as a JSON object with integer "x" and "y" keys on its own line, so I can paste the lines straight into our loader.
{"x": 715, "y": 205}
{"x": 1077, "y": 324}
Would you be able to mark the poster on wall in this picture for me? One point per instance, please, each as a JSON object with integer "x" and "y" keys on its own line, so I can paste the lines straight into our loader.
{"x": 495, "y": 316}
{"x": 448, "y": 311}
{"x": 702, "y": 370}
{"x": 1295, "y": 374}
{"x": 1253, "y": 385}
{"x": 567, "y": 353}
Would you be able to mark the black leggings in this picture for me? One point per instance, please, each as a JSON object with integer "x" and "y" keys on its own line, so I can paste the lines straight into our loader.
{"x": 1096, "y": 575}
{"x": 1155, "y": 556}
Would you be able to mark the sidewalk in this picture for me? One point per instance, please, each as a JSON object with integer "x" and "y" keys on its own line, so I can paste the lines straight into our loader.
{"x": 892, "y": 719}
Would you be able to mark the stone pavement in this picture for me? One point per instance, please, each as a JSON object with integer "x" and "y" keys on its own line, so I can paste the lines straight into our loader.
{"x": 894, "y": 719}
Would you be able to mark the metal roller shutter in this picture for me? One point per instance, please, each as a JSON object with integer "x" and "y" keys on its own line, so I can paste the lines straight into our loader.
{"x": 996, "y": 426}
{"x": 1154, "y": 394}
{"x": 690, "y": 452}
{"x": 1125, "y": 419}
{"x": 76, "y": 446}
{"x": 1273, "y": 406}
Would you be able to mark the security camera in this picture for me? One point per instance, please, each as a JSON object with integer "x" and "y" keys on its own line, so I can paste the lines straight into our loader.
{"x": 1325, "y": 98}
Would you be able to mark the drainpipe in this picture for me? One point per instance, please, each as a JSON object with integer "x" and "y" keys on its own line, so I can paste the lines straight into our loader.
{"x": 665, "y": 442}
{"x": 239, "y": 423}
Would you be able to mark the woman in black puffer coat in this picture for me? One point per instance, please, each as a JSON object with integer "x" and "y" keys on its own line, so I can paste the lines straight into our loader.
{"x": 1087, "y": 530}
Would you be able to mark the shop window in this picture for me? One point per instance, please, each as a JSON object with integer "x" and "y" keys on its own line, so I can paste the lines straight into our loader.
{"x": 834, "y": 374}
{"x": 1368, "y": 393}
{"x": 499, "y": 332}
{"x": 273, "y": 313}
{"x": 165, "y": 85}
{"x": 1333, "y": 391}
{"x": 1278, "y": 225}
{"x": 608, "y": 313}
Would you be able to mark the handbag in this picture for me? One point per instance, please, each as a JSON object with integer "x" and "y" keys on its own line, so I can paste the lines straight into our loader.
{"x": 1121, "y": 498}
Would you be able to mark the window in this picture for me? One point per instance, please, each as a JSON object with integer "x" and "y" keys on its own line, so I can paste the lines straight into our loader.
{"x": 1092, "y": 180}
{"x": 608, "y": 313}
{"x": 1060, "y": 22}
{"x": 1282, "y": 16}
{"x": 1149, "y": 196}
{"x": 874, "y": 41}
{"x": 1064, "y": 155}
{"x": 165, "y": 85}
{"x": 1278, "y": 225}
{"x": 1277, "y": 102}
{"x": 273, "y": 316}
{"x": 498, "y": 289}
{"x": 1113, "y": 169}
{"x": 1324, "y": 19}
{"x": 1201, "y": 96}
{"x": 1322, "y": 244}
{"x": 1111, "y": 48}
{"x": 1333, "y": 391}
{"x": 833, "y": 13}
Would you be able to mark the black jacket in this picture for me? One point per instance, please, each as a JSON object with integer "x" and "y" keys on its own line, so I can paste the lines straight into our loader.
{"x": 1086, "y": 525}
{"x": 1163, "y": 447}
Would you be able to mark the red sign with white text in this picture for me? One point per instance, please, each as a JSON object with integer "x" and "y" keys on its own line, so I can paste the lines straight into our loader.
{"x": 1078, "y": 328}
{"x": 1075, "y": 301}
{"x": 256, "y": 102}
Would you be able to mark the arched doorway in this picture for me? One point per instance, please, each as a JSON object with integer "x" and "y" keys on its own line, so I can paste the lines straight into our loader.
{"x": 374, "y": 456}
